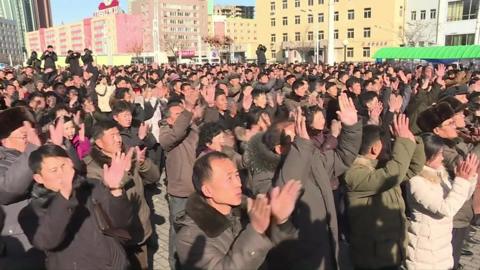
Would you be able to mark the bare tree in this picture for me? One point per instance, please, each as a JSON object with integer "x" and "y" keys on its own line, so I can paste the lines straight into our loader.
{"x": 219, "y": 43}
{"x": 417, "y": 32}
{"x": 136, "y": 48}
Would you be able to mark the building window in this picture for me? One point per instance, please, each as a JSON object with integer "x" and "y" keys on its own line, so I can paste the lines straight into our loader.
{"x": 335, "y": 16}
{"x": 274, "y": 54}
{"x": 367, "y": 12}
{"x": 413, "y": 17}
{"x": 350, "y": 52}
{"x": 321, "y": 2}
{"x": 297, "y": 19}
{"x": 297, "y": 36}
{"x": 273, "y": 38}
{"x": 366, "y": 51}
{"x": 455, "y": 40}
{"x": 285, "y": 20}
{"x": 310, "y": 36}
{"x": 350, "y": 33}
{"x": 423, "y": 14}
{"x": 335, "y": 34}
{"x": 310, "y": 2}
{"x": 321, "y": 35}
{"x": 336, "y": 1}
{"x": 272, "y": 22}
{"x": 285, "y": 4}
{"x": 272, "y": 6}
{"x": 297, "y": 3}
{"x": 321, "y": 17}
{"x": 462, "y": 10}
{"x": 285, "y": 37}
{"x": 310, "y": 18}
{"x": 351, "y": 14}
{"x": 366, "y": 32}
{"x": 433, "y": 13}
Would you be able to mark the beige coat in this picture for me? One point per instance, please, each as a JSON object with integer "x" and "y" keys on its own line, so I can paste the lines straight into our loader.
{"x": 434, "y": 200}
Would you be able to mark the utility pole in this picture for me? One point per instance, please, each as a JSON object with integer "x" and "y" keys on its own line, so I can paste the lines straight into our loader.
{"x": 331, "y": 41}
{"x": 155, "y": 34}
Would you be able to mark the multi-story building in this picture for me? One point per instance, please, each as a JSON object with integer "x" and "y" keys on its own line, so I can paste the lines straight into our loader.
{"x": 173, "y": 26}
{"x": 421, "y": 23}
{"x": 459, "y": 22}
{"x": 349, "y": 30}
{"x": 246, "y": 12}
{"x": 10, "y": 48}
{"x": 243, "y": 33}
{"x": 106, "y": 34}
{"x": 29, "y": 15}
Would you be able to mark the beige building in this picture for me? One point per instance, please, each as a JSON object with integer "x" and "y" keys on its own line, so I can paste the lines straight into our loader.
{"x": 355, "y": 28}
{"x": 242, "y": 31}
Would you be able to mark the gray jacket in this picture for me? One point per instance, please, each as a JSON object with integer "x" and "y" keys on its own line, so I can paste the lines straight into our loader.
{"x": 314, "y": 215}
{"x": 210, "y": 240}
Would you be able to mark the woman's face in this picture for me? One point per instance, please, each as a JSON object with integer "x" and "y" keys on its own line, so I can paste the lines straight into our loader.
{"x": 69, "y": 130}
{"x": 436, "y": 161}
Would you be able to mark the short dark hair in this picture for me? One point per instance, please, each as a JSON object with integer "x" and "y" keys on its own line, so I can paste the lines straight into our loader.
{"x": 257, "y": 92}
{"x": 100, "y": 127}
{"x": 432, "y": 144}
{"x": 297, "y": 84}
{"x": 121, "y": 106}
{"x": 202, "y": 169}
{"x": 310, "y": 112}
{"x": 371, "y": 134}
{"x": 207, "y": 132}
{"x": 47, "y": 150}
{"x": 351, "y": 81}
{"x": 120, "y": 92}
{"x": 275, "y": 136}
{"x": 185, "y": 84}
{"x": 219, "y": 92}
{"x": 366, "y": 97}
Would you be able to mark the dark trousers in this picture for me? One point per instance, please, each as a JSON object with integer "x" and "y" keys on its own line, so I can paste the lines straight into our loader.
{"x": 176, "y": 207}
{"x": 137, "y": 256}
{"x": 458, "y": 236}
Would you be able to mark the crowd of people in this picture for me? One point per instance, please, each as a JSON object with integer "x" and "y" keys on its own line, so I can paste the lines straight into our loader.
{"x": 269, "y": 166}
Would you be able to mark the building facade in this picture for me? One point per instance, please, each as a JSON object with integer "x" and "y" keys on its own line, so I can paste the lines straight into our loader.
{"x": 246, "y": 12}
{"x": 10, "y": 48}
{"x": 350, "y": 30}
{"x": 458, "y": 22}
{"x": 110, "y": 34}
{"x": 422, "y": 22}
{"x": 176, "y": 27}
{"x": 29, "y": 15}
{"x": 243, "y": 33}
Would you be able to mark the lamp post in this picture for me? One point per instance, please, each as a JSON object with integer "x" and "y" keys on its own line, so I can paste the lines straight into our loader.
{"x": 345, "y": 44}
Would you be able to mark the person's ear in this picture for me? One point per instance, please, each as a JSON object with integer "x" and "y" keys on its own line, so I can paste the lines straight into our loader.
{"x": 99, "y": 143}
{"x": 206, "y": 191}
{"x": 38, "y": 178}
{"x": 115, "y": 117}
{"x": 436, "y": 131}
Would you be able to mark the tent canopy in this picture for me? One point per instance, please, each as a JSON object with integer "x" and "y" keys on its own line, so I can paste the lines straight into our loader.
{"x": 437, "y": 52}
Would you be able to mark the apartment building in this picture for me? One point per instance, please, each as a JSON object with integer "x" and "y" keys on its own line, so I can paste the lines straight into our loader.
{"x": 350, "y": 30}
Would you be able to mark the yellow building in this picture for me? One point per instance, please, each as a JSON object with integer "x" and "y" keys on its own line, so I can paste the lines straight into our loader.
{"x": 242, "y": 31}
{"x": 357, "y": 28}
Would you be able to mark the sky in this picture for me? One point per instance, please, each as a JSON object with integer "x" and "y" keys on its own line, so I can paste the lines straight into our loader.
{"x": 67, "y": 11}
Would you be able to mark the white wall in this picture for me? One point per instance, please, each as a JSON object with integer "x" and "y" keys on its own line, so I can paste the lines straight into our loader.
{"x": 455, "y": 27}
{"x": 421, "y": 30}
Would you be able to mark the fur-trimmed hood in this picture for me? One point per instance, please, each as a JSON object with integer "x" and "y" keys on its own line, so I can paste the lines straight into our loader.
{"x": 259, "y": 157}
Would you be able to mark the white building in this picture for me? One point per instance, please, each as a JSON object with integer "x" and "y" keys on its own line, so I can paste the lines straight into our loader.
{"x": 442, "y": 22}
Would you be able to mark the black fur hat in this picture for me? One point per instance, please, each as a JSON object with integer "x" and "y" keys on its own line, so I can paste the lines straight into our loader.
{"x": 434, "y": 116}
{"x": 13, "y": 118}
{"x": 456, "y": 105}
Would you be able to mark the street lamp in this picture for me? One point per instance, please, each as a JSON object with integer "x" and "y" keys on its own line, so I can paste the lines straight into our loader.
{"x": 345, "y": 44}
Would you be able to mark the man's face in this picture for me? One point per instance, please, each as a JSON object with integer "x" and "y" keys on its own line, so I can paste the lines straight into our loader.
{"x": 224, "y": 186}
{"x": 53, "y": 171}
{"x": 462, "y": 98}
{"x": 221, "y": 103}
{"x": 260, "y": 101}
{"x": 356, "y": 88}
{"x": 217, "y": 142}
{"x": 175, "y": 111}
{"x": 122, "y": 84}
{"x": 447, "y": 130}
{"x": 110, "y": 142}
{"x": 332, "y": 91}
{"x": 17, "y": 139}
{"x": 37, "y": 103}
{"x": 50, "y": 49}
{"x": 249, "y": 76}
{"x": 302, "y": 90}
{"x": 124, "y": 119}
{"x": 10, "y": 90}
{"x": 459, "y": 119}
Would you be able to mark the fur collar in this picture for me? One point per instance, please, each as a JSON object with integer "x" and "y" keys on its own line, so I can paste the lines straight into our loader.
{"x": 260, "y": 158}
{"x": 434, "y": 175}
{"x": 208, "y": 219}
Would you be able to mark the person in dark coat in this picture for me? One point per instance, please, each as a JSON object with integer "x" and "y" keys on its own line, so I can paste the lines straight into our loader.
{"x": 73, "y": 60}
{"x": 261, "y": 59}
{"x": 49, "y": 57}
{"x": 18, "y": 140}
{"x": 34, "y": 62}
{"x": 214, "y": 234}
{"x": 79, "y": 223}
{"x": 87, "y": 59}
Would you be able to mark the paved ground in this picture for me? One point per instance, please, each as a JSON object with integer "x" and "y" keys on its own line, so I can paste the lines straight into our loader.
{"x": 159, "y": 244}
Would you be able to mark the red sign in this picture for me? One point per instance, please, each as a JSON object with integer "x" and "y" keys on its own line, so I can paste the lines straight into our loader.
{"x": 187, "y": 53}
{"x": 108, "y": 4}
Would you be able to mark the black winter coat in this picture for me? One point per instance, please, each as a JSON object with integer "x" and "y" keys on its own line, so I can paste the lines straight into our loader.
{"x": 68, "y": 231}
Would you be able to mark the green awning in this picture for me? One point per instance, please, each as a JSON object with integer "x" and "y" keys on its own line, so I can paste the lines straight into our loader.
{"x": 437, "y": 52}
